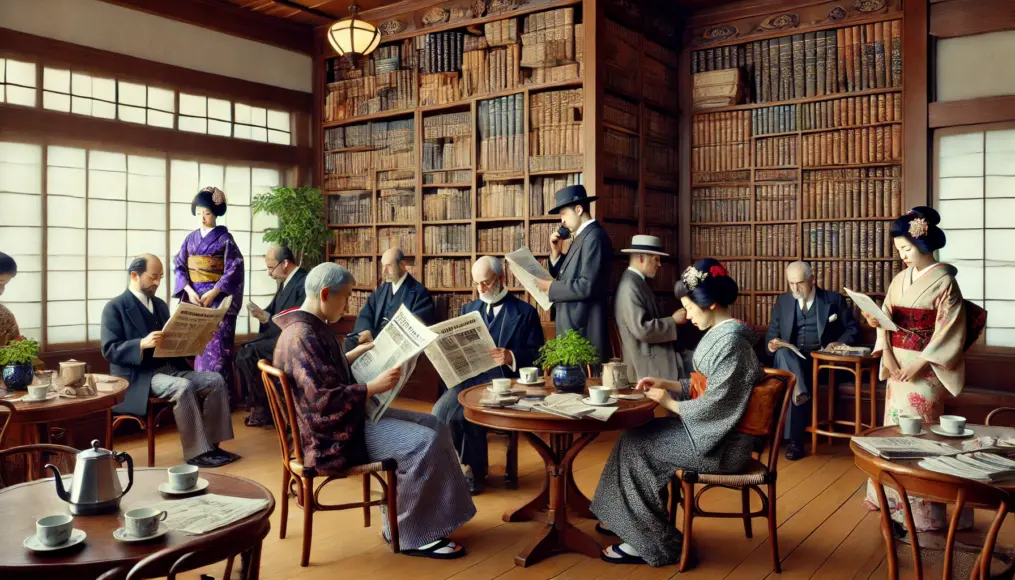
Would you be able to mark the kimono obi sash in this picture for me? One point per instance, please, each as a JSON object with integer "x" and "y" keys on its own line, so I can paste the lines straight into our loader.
{"x": 765, "y": 398}
{"x": 206, "y": 268}
{"x": 917, "y": 325}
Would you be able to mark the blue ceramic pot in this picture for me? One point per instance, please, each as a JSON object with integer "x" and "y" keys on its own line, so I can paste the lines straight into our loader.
{"x": 569, "y": 379}
{"x": 18, "y": 377}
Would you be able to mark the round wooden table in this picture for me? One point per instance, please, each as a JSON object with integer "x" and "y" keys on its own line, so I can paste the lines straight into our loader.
{"x": 565, "y": 438}
{"x": 858, "y": 366}
{"x": 111, "y": 392}
{"x": 21, "y": 505}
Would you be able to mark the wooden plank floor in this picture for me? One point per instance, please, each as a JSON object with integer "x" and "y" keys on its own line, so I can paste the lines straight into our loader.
{"x": 824, "y": 530}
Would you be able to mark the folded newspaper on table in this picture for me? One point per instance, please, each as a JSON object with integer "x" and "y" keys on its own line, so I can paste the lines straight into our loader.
{"x": 568, "y": 405}
{"x": 399, "y": 344}
{"x": 864, "y": 303}
{"x": 904, "y": 447}
{"x": 190, "y": 329}
{"x": 462, "y": 348}
{"x": 205, "y": 513}
{"x": 980, "y": 466}
{"x": 527, "y": 270}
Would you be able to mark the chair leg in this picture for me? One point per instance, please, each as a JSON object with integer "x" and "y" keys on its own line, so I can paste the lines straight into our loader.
{"x": 745, "y": 502}
{"x": 150, "y": 433}
{"x": 674, "y": 500}
{"x": 366, "y": 500}
{"x": 773, "y": 531}
{"x": 109, "y": 428}
{"x": 511, "y": 470}
{"x": 393, "y": 509}
{"x": 285, "y": 504}
{"x": 685, "y": 550}
{"x": 229, "y": 568}
{"x": 308, "y": 518}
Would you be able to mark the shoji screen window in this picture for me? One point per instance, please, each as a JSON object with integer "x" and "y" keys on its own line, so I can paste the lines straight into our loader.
{"x": 145, "y": 105}
{"x": 260, "y": 124}
{"x": 66, "y": 247}
{"x": 199, "y": 114}
{"x": 78, "y": 93}
{"x": 17, "y": 82}
{"x": 260, "y": 287}
{"x": 21, "y": 231}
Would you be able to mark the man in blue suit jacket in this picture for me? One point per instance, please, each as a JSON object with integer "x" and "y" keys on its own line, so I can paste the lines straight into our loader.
{"x": 515, "y": 328}
{"x": 810, "y": 319}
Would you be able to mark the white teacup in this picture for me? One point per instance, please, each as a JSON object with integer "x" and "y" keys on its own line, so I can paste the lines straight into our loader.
{"x": 952, "y": 423}
{"x": 54, "y": 530}
{"x": 528, "y": 374}
{"x": 183, "y": 476}
{"x": 143, "y": 522}
{"x": 501, "y": 385}
{"x": 600, "y": 394}
{"x": 38, "y": 392}
{"x": 910, "y": 424}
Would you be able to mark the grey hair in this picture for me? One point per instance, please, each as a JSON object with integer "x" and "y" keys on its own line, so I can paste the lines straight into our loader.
{"x": 327, "y": 275}
{"x": 808, "y": 273}
{"x": 493, "y": 263}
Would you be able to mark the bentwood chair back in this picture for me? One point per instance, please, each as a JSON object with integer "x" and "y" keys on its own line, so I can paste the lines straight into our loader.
{"x": 24, "y": 463}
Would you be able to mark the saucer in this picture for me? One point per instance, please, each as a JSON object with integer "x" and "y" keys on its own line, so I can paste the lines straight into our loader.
{"x": 121, "y": 534}
{"x": 533, "y": 383}
{"x": 76, "y": 537}
{"x": 609, "y": 402}
{"x": 922, "y": 432}
{"x": 49, "y": 397}
{"x": 937, "y": 430}
{"x": 165, "y": 488}
{"x": 507, "y": 393}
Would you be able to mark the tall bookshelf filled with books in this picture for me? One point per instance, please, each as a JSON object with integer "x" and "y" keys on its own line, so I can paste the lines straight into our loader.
{"x": 810, "y": 167}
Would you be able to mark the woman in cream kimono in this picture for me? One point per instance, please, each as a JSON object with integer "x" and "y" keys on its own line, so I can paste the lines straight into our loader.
{"x": 923, "y": 362}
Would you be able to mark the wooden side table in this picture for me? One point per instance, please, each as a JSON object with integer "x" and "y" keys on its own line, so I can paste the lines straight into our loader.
{"x": 858, "y": 366}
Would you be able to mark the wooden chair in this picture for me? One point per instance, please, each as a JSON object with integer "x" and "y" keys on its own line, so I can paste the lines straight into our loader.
{"x": 756, "y": 474}
{"x": 991, "y": 417}
{"x": 24, "y": 463}
{"x": 283, "y": 412}
{"x": 156, "y": 408}
{"x": 7, "y": 419}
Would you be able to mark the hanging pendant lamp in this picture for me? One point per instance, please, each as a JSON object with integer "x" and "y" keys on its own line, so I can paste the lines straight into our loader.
{"x": 353, "y": 36}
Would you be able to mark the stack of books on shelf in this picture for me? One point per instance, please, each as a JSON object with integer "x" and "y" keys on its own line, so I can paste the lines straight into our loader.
{"x": 447, "y": 141}
{"x": 543, "y": 189}
{"x": 501, "y": 199}
{"x": 447, "y": 273}
{"x": 396, "y": 205}
{"x": 619, "y": 200}
{"x": 362, "y": 269}
{"x": 403, "y": 238}
{"x": 500, "y": 239}
{"x": 539, "y": 237}
{"x": 501, "y": 134}
{"x": 556, "y": 141}
{"x": 721, "y": 204}
{"x": 373, "y": 86}
{"x": 447, "y": 239}
{"x": 354, "y": 241}
{"x": 449, "y": 304}
{"x": 447, "y": 204}
{"x": 622, "y": 64}
{"x": 350, "y": 208}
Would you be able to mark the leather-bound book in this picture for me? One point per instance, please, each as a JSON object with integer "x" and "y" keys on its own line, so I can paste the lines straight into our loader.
{"x": 810, "y": 65}
{"x": 786, "y": 75}
{"x": 799, "y": 65}
{"x": 821, "y": 62}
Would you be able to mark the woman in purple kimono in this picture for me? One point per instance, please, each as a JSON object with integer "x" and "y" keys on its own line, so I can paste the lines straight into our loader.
{"x": 208, "y": 268}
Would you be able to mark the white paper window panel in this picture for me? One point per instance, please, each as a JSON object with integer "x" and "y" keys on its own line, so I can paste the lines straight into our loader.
{"x": 103, "y": 110}
{"x": 220, "y": 109}
{"x": 20, "y": 178}
{"x": 146, "y": 165}
{"x": 242, "y": 325}
{"x": 146, "y": 216}
{"x": 259, "y": 134}
{"x": 94, "y": 332}
{"x": 107, "y": 215}
{"x": 258, "y": 247}
{"x": 1001, "y": 140}
{"x": 107, "y": 161}
{"x": 180, "y": 218}
{"x": 65, "y": 263}
{"x": 107, "y": 184}
{"x": 62, "y": 334}
{"x": 146, "y": 243}
{"x": 975, "y": 66}
{"x": 220, "y": 128}
{"x": 1000, "y": 213}
{"x": 193, "y": 105}
{"x": 183, "y": 180}
{"x": 212, "y": 175}
{"x": 970, "y": 279}
{"x": 106, "y": 283}
{"x": 65, "y": 285}
{"x": 56, "y": 102}
{"x": 1000, "y": 284}
{"x": 132, "y": 94}
{"x": 81, "y": 106}
{"x": 21, "y": 242}
{"x": 960, "y": 155}
{"x": 192, "y": 124}
{"x": 65, "y": 242}
{"x": 1000, "y": 186}
{"x": 26, "y": 288}
{"x": 26, "y": 313}
{"x": 237, "y": 218}
{"x": 146, "y": 188}
{"x": 242, "y": 113}
{"x": 80, "y": 84}
{"x": 160, "y": 119}
{"x": 20, "y": 96}
{"x": 176, "y": 238}
{"x": 67, "y": 212}
{"x": 259, "y": 116}
{"x": 263, "y": 221}
{"x": 65, "y": 181}
{"x": 1000, "y": 246}
{"x": 1004, "y": 337}
{"x": 262, "y": 284}
{"x": 107, "y": 263}
{"x": 3, "y": 92}
{"x": 962, "y": 245}
{"x": 262, "y": 300}
{"x": 238, "y": 182}
{"x": 20, "y": 209}
{"x": 242, "y": 240}
{"x": 279, "y": 120}
{"x": 20, "y": 73}
{"x": 263, "y": 176}
{"x": 104, "y": 89}
{"x": 241, "y": 131}
{"x": 107, "y": 243}
{"x": 1002, "y": 313}
{"x": 131, "y": 114}
{"x": 161, "y": 99}
{"x": 57, "y": 156}
{"x": 21, "y": 153}
{"x": 94, "y": 309}
{"x": 55, "y": 79}
{"x": 64, "y": 313}
{"x": 3, "y": 70}
{"x": 961, "y": 214}
{"x": 278, "y": 137}
{"x": 1000, "y": 162}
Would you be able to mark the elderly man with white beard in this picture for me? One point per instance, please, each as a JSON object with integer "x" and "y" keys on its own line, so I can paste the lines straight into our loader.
{"x": 517, "y": 334}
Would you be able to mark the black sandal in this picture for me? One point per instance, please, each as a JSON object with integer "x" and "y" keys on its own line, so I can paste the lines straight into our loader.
{"x": 604, "y": 531}
{"x": 623, "y": 558}
{"x": 432, "y": 552}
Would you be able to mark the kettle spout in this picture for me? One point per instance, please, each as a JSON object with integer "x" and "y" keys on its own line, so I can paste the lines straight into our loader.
{"x": 60, "y": 491}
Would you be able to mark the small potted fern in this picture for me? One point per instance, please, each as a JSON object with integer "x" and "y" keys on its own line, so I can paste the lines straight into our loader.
{"x": 16, "y": 360}
{"x": 568, "y": 355}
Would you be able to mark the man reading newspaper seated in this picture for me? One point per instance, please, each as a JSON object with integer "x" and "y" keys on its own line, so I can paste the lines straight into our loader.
{"x": 433, "y": 498}
{"x": 516, "y": 332}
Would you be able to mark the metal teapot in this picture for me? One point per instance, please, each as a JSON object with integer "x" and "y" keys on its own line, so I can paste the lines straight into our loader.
{"x": 95, "y": 488}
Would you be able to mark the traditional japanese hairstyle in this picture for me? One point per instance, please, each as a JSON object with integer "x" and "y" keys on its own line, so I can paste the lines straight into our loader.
{"x": 919, "y": 226}
{"x": 212, "y": 198}
{"x": 706, "y": 283}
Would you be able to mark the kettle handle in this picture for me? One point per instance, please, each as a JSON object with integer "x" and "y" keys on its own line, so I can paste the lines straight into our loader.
{"x": 120, "y": 457}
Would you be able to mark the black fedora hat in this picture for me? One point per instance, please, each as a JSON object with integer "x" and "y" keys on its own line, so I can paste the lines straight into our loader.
{"x": 571, "y": 195}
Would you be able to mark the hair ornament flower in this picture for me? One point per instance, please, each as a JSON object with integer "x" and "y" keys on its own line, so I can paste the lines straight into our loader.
{"x": 918, "y": 228}
{"x": 717, "y": 271}
{"x": 217, "y": 195}
{"x": 692, "y": 277}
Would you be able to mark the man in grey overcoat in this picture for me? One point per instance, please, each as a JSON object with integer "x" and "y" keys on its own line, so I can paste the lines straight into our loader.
{"x": 648, "y": 336}
{"x": 582, "y": 275}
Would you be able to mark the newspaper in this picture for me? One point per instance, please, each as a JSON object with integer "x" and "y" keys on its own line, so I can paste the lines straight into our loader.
{"x": 190, "y": 329}
{"x": 793, "y": 348}
{"x": 462, "y": 348}
{"x": 527, "y": 270}
{"x": 979, "y": 466}
{"x": 399, "y": 344}
{"x": 903, "y": 447}
{"x": 205, "y": 513}
{"x": 864, "y": 303}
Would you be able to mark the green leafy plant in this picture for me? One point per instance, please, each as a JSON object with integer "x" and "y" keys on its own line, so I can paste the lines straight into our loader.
{"x": 570, "y": 349}
{"x": 19, "y": 352}
{"x": 301, "y": 225}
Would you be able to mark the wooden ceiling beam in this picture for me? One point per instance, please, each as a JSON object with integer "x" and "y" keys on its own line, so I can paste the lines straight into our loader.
{"x": 229, "y": 19}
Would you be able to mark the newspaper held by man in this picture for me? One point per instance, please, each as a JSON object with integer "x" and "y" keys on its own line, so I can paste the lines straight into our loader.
{"x": 206, "y": 513}
{"x": 190, "y": 329}
{"x": 462, "y": 348}
{"x": 527, "y": 270}
{"x": 864, "y": 303}
{"x": 401, "y": 341}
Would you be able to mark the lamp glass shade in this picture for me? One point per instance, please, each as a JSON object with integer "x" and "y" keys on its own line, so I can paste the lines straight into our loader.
{"x": 353, "y": 36}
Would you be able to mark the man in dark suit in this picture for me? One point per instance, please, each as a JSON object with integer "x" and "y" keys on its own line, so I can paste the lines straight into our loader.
{"x": 517, "y": 334}
{"x": 582, "y": 275}
{"x": 810, "y": 319}
{"x": 282, "y": 267}
{"x": 131, "y": 331}
{"x": 399, "y": 288}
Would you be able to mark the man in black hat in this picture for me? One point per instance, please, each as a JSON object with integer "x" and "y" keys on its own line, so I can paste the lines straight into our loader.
{"x": 583, "y": 273}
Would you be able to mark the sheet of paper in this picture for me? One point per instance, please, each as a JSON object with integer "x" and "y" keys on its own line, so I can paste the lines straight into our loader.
{"x": 208, "y": 512}
{"x": 462, "y": 348}
{"x": 864, "y": 303}
{"x": 795, "y": 350}
{"x": 190, "y": 329}
{"x": 527, "y": 270}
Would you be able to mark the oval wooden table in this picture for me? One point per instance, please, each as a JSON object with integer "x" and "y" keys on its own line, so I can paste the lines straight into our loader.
{"x": 565, "y": 438}
{"x": 111, "y": 392}
{"x": 21, "y": 505}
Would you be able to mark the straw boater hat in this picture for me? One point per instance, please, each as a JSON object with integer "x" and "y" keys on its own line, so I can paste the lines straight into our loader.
{"x": 646, "y": 245}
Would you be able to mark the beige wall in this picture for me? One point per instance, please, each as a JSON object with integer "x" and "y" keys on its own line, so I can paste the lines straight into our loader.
{"x": 117, "y": 29}
{"x": 971, "y": 67}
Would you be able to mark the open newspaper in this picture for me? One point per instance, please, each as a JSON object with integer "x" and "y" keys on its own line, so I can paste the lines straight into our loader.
{"x": 864, "y": 303}
{"x": 401, "y": 341}
{"x": 979, "y": 466}
{"x": 462, "y": 348}
{"x": 205, "y": 513}
{"x": 904, "y": 447}
{"x": 190, "y": 329}
{"x": 527, "y": 270}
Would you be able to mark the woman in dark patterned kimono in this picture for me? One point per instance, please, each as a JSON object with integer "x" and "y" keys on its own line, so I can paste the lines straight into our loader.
{"x": 209, "y": 267}
{"x": 8, "y": 325}
{"x": 699, "y": 434}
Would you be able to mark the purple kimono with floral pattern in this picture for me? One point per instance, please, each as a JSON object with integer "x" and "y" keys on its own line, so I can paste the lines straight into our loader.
{"x": 218, "y": 356}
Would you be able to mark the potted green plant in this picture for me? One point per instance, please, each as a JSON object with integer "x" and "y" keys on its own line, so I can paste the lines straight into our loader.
{"x": 568, "y": 355}
{"x": 301, "y": 224}
{"x": 16, "y": 359}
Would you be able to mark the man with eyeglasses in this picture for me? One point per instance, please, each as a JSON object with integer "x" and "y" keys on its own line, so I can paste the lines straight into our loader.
{"x": 517, "y": 334}
{"x": 283, "y": 269}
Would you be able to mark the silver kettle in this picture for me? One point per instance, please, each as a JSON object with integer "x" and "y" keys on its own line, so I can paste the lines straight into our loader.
{"x": 95, "y": 487}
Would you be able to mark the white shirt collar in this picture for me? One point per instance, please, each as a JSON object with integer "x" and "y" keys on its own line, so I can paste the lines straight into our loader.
{"x": 636, "y": 271}
{"x": 918, "y": 273}
{"x": 143, "y": 299}
{"x": 205, "y": 231}
{"x": 806, "y": 304}
{"x": 289, "y": 277}
{"x": 396, "y": 285}
{"x": 499, "y": 297}
{"x": 583, "y": 226}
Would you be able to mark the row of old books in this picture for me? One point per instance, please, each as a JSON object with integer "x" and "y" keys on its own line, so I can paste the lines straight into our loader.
{"x": 396, "y": 178}
{"x": 396, "y": 206}
{"x": 852, "y": 193}
{"x": 618, "y": 200}
{"x": 763, "y": 306}
{"x": 740, "y": 308}
{"x": 775, "y": 152}
{"x": 853, "y": 239}
{"x": 705, "y": 177}
{"x": 403, "y": 238}
{"x": 620, "y": 112}
{"x": 661, "y": 163}
{"x": 721, "y": 204}
{"x": 620, "y": 233}
{"x": 620, "y": 154}
{"x": 539, "y": 237}
{"x": 501, "y": 239}
{"x": 500, "y": 33}
{"x": 775, "y": 202}
{"x": 741, "y": 271}
{"x": 391, "y": 144}
{"x": 461, "y": 176}
{"x": 440, "y": 52}
{"x": 659, "y": 82}
{"x": 447, "y": 153}
{"x": 770, "y": 275}
{"x": 851, "y": 112}
{"x": 811, "y": 64}
{"x": 661, "y": 206}
{"x": 391, "y": 91}
{"x": 853, "y": 146}
{"x": 440, "y": 88}
{"x": 543, "y": 191}
{"x": 667, "y": 234}
{"x": 350, "y": 208}
{"x": 721, "y": 158}
{"x": 721, "y": 128}
{"x": 353, "y": 241}
{"x": 778, "y": 241}
{"x": 362, "y": 269}
{"x": 861, "y": 276}
{"x": 500, "y": 199}
{"x": 447, "y": 273}
{"x": 447, "y": 239}
{"x": 357, "y": 300}
{"x": 341, "y": 182}
{"x": 383, "y": 59}
{"x": 549, "y": 38}
{"x": 447, "y": 203}
{"x": 721, "y": 241}
{"x": 449, "y": 304}
{"x": 622, "y": 65}
{"x": 501, "y": 134}
{"x": 556, "y": 141}
{"x": 661, "y": 127}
